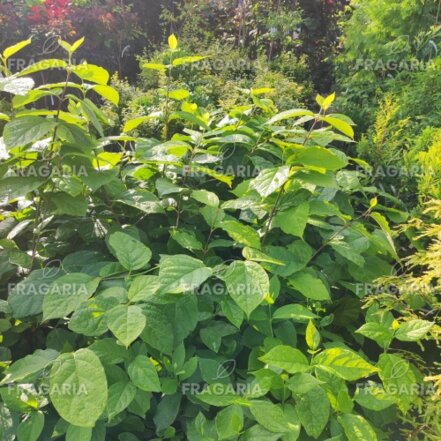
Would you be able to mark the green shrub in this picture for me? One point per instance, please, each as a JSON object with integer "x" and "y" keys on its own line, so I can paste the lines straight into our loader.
{"x": 202, "y": 285}
{"x": 387, "y": 46}
{"x": 413, "y": 297}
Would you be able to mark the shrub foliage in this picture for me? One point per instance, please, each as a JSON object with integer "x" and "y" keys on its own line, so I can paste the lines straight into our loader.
{"x": 203, "y": 285}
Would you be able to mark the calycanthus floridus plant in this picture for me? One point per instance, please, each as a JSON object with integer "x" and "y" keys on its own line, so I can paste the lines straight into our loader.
{"x": 203, "y": 286}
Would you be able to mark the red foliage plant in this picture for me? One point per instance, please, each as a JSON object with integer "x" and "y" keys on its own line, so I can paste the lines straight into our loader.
{"x": 51, "y": 10}
{"x": 53, "y": 15}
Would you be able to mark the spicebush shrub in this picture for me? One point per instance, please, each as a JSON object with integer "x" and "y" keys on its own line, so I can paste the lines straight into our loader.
{"x": 203, "y": 285}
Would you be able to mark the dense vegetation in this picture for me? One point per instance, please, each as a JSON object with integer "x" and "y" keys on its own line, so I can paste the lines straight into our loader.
{"x": 201, "y": 240}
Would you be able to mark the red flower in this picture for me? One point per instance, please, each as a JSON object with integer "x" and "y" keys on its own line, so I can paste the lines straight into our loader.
{"x": 57, "y": 9}
{"x": 36, "y": 16}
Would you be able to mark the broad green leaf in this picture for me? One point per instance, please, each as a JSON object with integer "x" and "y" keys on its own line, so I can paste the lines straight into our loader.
{"x": 143, "y": 374}
{"x": 74, "y": 134}
{"x": 384, "y": 225}
{"x": 143, "y": 288}
{"x": 76, "y": 45}
{"x": 259, "y": 433}
{"x": 294, "y": 312}
{"x": 270, "y": 180}
{"x": 287, "y": 358}
{"x": 289, "y": 114}
{"x": 30, "y": 428}
{"x": 65, "y": 45}
{"x": 75, "y": 433}
{"x": 313, "y": 410}
{"x": 167, "y": 411}
{"x": 336, "y": 389}
{"x": 413, "y": 330}
{"x": 11, "y": 50}
{"x": 182, "y": 273}
{"x": 258, "y": 256}
{"x": 377, "y": 332}
{"x": 229, "y": 422}
{"x": 187, "y": 239}
{"x": 141, "y": 403}
{"x": 247, "y": 283}
{"x": 273, "y": 418}
{"x": 70, "y": 205}
{"x": 345, "y": 363}
{"x": 302, "y": 383}
{"x": 93, "y": 114}
{"x": 310, "y": 286}
{"x": 320, "y": 157}
{"x": 126, "y": 323}
{"x": 121, "y": 394}
{"x": 312, "y": 336}
{"x": 26, "y": 298}
{"x": 159, "y": 331}
{"x": 67, "y": 293}
{"x": 89, "y": 318}
{"x": 241, "y": 233}
{"x": 357, "y": 428}
{"x": 143, "y": 200}
{"x": 206, "y": 197}
{"x": 130, "y": 252}
{"x": 351, "y": 250}
{"x": 187, "y": 60}
{"x": 199, "y": 429}
{"x": 32, "y": 96}
{"x": 326, "y": 180}
{"x": 212, "y": 335}
{"x": 340, "y": 125}
{"x": 373, "y": 397}
{"x": 136, "y": 122}
{"x": 212, "y": 215}
{"x": 108, "y": 93}
{"x": 22, "y": 131}
{"x": 221, "y": 395}
{"x": 293, "y": 221}
{"x": 235, "y": 139}
{"x": 398, "y": 378}
{"x": 155, "y": 66}
{"x": 326, "y": 102}
{"x": 78, "y": 387}
{"x": 29, "y": 365}
{"x": 109, "y": 351}
{"x": 8, "y": 425}
{"x": 90, "y": 72}
{"x": 16, "y": 186}
{"x": 213, "y": 173}
{"x": 232, "y": 312}
{"x": 295, "y": 256}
